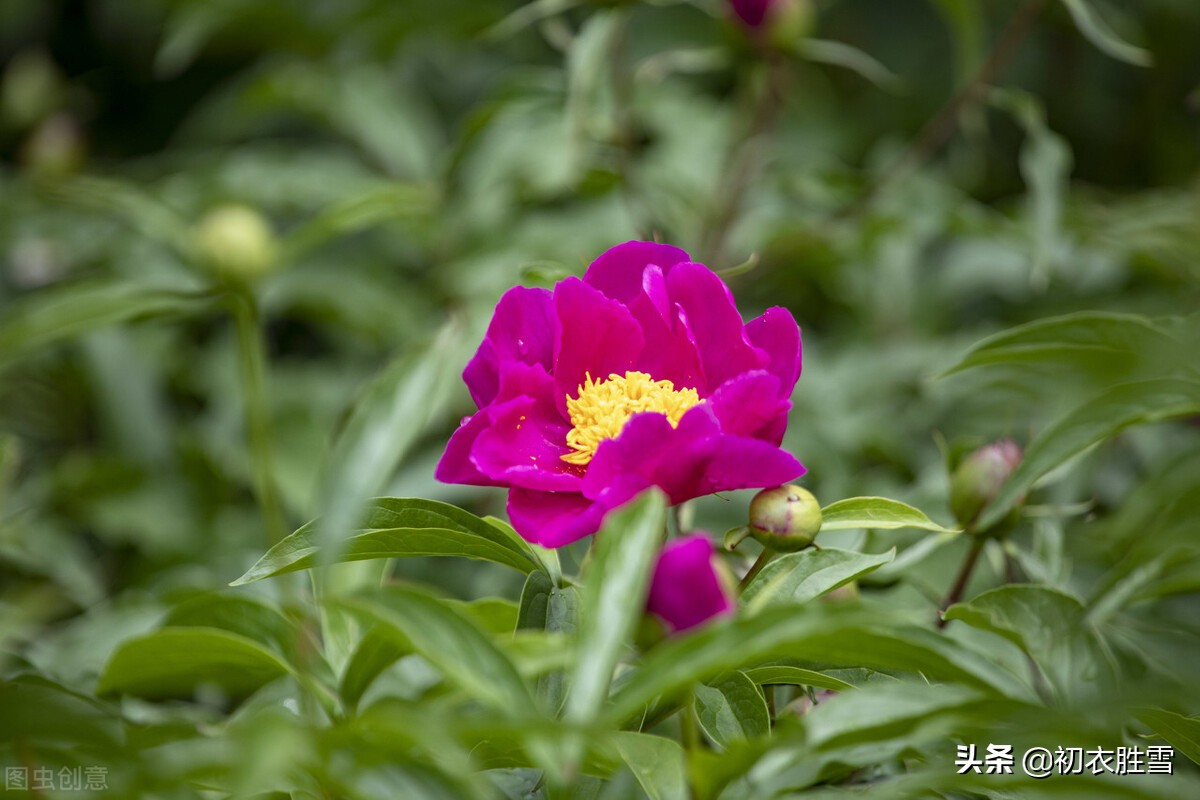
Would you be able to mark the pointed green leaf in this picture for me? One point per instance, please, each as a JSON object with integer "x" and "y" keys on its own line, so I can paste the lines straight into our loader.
{"x": 449, "y": 640}
{"x": 839, "y": 54}
{"x": 1182, "y": 733}
{"x": 174, "y": 662}
{"x": 658, "y": 764}
{"x": 779, "y": 674}
{"x": 808, "y": 574}
{"x": 376, "y": 651}
{"x": 1049, "y": 625}
{"x": 1099, "y": 418}
{"x": 546, "y": 607}
{"x": 731, "y": 707}
{"x": 403, "y": 528}
{"x": 246, "y": 616}
{"x": 613, "y": 598}
{"x": 1096, "y": 31}
{"x": 844, "y": 636}
{"x": 878, "y": 513}
{"x": 63, "y": 312}
{"x": 384, "y": 423}
{"x": 1082, "y": 338}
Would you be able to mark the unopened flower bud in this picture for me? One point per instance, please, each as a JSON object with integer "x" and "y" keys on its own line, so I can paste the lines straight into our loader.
{"x": 978, "y": 479}
{"x": 781, "y": 22}
{"x": 690, "y": 584}
{"x": 236, "y": 242}
{"x": 785, "y": 518}
{"x": 55, "y": 148}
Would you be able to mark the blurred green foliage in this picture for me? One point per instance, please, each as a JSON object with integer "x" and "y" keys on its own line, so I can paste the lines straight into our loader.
{"x": 172, "y": 406}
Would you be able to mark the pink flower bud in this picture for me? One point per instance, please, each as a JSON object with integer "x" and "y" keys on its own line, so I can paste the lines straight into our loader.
{"x": 689, "y": 586}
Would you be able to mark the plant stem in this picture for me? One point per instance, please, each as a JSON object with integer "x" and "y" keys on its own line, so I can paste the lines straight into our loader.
{"x": 934, "y": 135}
{"x": 741, "y": 164}
{"x": 964, "y": 575}
{"x": 252, "y": 359}
{"x": 765, "y": 556}
{"x": 625, "y": 127}
{"x": 689, "y": 730}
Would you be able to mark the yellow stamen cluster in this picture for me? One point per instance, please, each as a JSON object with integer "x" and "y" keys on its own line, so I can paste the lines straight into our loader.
{"x": 603, "y": 407}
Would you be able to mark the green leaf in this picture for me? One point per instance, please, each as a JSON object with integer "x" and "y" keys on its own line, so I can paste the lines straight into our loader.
{"x": 546, "y": 607}
{"x": 1049, "y": 625}
{"x": 779, "y": 674}
{"x": 245, "y": 616}
{"x": 1096, "y": 31}
{"x": 731, "y": 707}
{"x": 613, "y": 598}
{"x": 611, "y": 603}
{"x": 1096, "y": 420}
{"x": 1082, "y": 338}
{"x": 174, "y": 662}
{"x": 844, "y": 636}
{"x": 384, "y": 423}
{"x": 871, "y": 725}
{"x": 64, "y": 312}
{"x": 382, "y": 204}
{"x": 38, "y": 711}
{"x": 529, "y": 14}
{"x": 839, "y": 54}
{"x": 658, "y": 764}
{"x": 877, "y": 513}
{"x": 449, "y": 640}
{"x": 403, "y": 528}
{"x": 495, "y": 615}
{"x": 808, "y": 574}
{"x": 878, "y": 712}
{"x": 1182, "y": 733}
{"x": 377, "y": 650}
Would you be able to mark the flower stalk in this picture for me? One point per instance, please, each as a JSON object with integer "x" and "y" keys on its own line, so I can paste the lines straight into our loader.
{"x": 252, "y": 363}
{"x": 960, "y": 582}
{"x": 763, "y": 559}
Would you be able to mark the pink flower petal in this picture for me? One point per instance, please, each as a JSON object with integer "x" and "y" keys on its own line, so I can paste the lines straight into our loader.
{"x": 526, "y": 437}
{"x": 777, "y": 334}
{"x": 750, "y": 405}
{"x": 553, "y": 519}
{"x": 522, "y": 329}
{"x": 685, "y": 589}
{"x": 618, "y": 271}
{"x": 692, "y": 460}
{"x": 708, "y": 311}
{"x": 597, "y": 336}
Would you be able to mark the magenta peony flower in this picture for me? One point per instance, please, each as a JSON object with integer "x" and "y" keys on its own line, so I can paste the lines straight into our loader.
{"x": 641, "y": 374}
{"x": 686, "y": 588}
{"x": 752, "y": 12}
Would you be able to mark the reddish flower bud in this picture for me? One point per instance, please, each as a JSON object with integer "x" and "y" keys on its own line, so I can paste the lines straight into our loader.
{"x": 690, "y": 585}
{"x": 781, "y": 21}
{"x": 978, "y": 479}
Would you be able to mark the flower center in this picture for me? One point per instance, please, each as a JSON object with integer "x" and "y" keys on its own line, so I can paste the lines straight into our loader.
{"x": 603, "y": 407}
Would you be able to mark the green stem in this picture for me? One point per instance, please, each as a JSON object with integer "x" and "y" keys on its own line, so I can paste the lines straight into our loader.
{"x": 252, "y": 360}
{"x": 625, "y": 123}
{"x": 942, "y": 126}
{"x": 964, "y": 575}
{"x": 763, "y": 558}
{"x": 744, "y": 158}
{"x": 689, "y": 728}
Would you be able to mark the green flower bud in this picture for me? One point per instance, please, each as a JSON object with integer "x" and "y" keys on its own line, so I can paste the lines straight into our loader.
{"x": 785, "y": 518}
{"x": 55, "y": 148}
{"x": 789, "y": 22}
{"x": 978, "y": 479}
{"x": 236, "y": 243}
